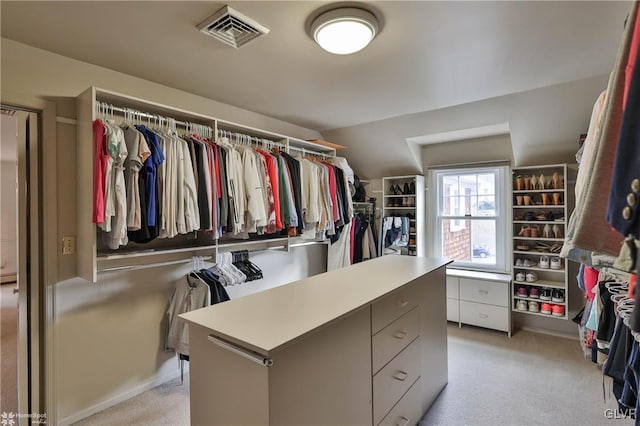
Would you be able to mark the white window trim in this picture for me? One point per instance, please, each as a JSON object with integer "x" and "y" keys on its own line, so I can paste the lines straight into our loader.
{"x": 502, "y": 219}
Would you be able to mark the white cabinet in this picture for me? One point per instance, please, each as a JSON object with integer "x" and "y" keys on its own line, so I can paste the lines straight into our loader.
{"x": 403, "y": 196}
{"x": 479, "y": 298}
{"x": 297, "y": 354}
{"x": 542, "y": 200}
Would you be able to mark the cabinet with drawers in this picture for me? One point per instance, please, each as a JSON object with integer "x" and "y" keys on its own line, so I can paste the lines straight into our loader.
{"x": 479, "y": 298}
{"x": 366, "y": 344}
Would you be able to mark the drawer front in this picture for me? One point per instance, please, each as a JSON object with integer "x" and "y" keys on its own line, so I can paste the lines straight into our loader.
{"x": 408, "y": 411}
{"x": 390, "y": 383}
{"x": 453, "y": 310}
{"x": 389, "y": 341}
{"x": 391, "y": 307}
{"x": 488, "y": 316}
{"x": 491, "y": 292}
{"x": 452, "y": 288}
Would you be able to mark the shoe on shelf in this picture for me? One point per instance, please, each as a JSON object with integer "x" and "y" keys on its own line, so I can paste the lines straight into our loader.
{"x": 519, "y": 262}
{"x": 525, "y": 231}
{"x": 520, "y": 276}
{"x": 557, "y": 296}
{"x": 545, "y": 308}
{"x": 392, "y": 190}
{"x": 534, "y": 293}
{"x": 534, "y": 306}
{"x": 405, "y": 189}
{"x": 544, "y": 262}
{"x": 531, "y": 277}
{"x": 529, "y": 263}
{"x": 545, "y": 294}
{"x": 522, "y": 292}
{"x": 521, "y": 305}
{"x": 558, "y": 310}
{"x": 412, "y": 188}
{"x": 556, "y": 263}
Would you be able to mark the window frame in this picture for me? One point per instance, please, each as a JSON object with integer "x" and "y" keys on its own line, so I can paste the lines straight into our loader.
{"x": 501, "y": 173}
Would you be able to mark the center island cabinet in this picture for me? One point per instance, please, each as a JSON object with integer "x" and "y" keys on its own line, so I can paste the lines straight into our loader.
{"x": 363, "y": 345}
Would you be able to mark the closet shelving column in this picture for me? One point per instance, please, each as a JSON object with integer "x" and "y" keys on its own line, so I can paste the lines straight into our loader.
{"x": 540, "y": 213}
{"x": 412, "y": 204}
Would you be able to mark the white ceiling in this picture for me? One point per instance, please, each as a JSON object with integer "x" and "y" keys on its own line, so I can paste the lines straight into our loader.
{"x": 435, "y": 68}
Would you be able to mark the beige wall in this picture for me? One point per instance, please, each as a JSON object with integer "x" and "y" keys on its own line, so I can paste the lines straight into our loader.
{"x": 108, "y": 336}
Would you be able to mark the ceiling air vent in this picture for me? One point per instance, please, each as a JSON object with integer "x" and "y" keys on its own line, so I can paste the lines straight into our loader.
{"x": 232, "y": 27}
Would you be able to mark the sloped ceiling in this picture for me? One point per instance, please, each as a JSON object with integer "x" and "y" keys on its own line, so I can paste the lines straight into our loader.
{"x": 431, "y": 58}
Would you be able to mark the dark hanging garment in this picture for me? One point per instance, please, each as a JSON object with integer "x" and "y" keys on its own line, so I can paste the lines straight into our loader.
{"x": 342, "y": 195}
{"x": 224, "y": 195}
{"x": 203, "y": 200}
{"x": 294, "y": 169}
{"x": 361, "y": 228}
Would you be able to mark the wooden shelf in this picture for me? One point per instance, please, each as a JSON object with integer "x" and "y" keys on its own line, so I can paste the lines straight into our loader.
{"x": 529, "y": 299}
{"x": 538, "y": 239}
{"x": 542, "y": 283}
{"x": 543, "y": 315}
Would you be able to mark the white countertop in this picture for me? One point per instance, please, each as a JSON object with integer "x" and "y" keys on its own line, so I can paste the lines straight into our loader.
{"x": 486, "y": 276}
{"x": 265, "y": 321}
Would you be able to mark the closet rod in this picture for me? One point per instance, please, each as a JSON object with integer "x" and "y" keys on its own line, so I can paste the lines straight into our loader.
{"x": 224, "y": 133}
{"x": 149, "y": 115}
{"x": 145, "y": 253}
{"x": 151, "y": 265}
{"x": 308, "y": 151}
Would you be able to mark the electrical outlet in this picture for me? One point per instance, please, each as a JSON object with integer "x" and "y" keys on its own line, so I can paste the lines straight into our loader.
{"x": 68, "y": 245}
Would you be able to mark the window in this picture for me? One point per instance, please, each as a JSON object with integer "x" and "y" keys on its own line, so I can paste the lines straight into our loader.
{"x": 470, "y": 216}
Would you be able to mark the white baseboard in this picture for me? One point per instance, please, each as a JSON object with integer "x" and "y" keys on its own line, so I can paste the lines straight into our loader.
{"x": 549, "y": 332}
{"x": 150, "y": 384}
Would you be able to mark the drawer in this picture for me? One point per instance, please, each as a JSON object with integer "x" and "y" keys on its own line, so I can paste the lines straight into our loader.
{"x": 408, "y": 411}
{"x": 392, "y": 306}
{"x": 389, "y": 341}
{"x": 453, "y": 310}
{"x": 488, "y": 316}
{"x": 452, "y": 288}
{"x": 491, "y": 292}
{"x": 390, "y": 383}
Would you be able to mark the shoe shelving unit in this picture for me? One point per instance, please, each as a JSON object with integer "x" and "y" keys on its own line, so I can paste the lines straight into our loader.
{"x": 540, "y": 202}
{"x": 395, "y": 202}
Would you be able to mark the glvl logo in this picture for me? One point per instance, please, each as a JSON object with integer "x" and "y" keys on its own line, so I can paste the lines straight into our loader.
{"x": 7, "y": 419}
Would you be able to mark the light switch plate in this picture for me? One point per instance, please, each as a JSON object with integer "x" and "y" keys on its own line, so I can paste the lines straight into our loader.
{"x": 68, "y": 245}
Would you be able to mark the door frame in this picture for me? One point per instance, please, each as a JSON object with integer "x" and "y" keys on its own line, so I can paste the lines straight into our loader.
{"x": 38, "y": 386}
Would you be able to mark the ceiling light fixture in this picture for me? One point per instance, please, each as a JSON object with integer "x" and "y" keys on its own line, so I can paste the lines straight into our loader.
{"x": 344, "y": 30}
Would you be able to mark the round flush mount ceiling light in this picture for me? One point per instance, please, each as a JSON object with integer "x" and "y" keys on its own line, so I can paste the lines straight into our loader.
{"x": 344, "y": 30}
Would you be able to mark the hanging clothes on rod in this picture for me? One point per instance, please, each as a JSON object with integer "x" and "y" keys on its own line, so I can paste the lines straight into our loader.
{"x": 150, "y": 181}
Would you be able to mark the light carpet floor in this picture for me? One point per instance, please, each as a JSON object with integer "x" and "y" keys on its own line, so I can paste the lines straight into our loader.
{"x": 530, "y": 379}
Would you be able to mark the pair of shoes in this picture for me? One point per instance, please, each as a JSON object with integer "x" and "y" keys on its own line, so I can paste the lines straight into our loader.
{"x": 544, "y": 262}
{"x": 519, "y": 262}
{"x": 531, "y": 277}
{"x": 395, "y": 190}
{"x": 521, "y": 305}
{"x": 556, "y": 263}
{"x": 557, "y": 231}
{"x": 545, "y": 294}
{"x": 520, "y": 276}
{"x": 525, "y": 231}
{"x": 551, "y": 309}
{"x": 557, "y": 310}
{"x": 534, "y": 306}
{"x": 522, "y": 292}
{"x": 557, "y": 296}
{"x": 528, "y": 263}
{"x": 534, "y": 293}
